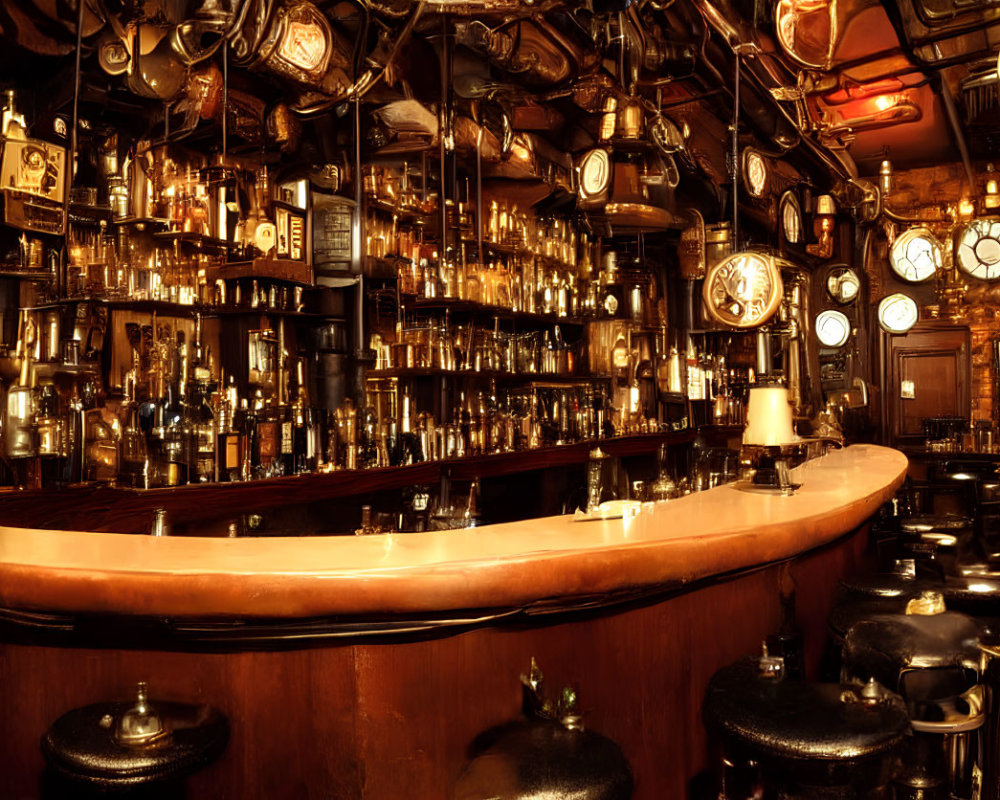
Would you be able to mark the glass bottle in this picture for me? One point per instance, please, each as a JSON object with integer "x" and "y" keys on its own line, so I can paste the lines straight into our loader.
{"x": 20, "y": 398}
{"x": 204, "y": 429}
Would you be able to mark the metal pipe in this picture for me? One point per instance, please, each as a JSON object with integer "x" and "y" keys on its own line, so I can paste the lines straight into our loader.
{"x": 61, "y": 272}
{"x": 225, "y": 98}
{"x": 356, "y": 265}
{"x": 826, "y": 159}
{"x": 956, "y": 129}
{"x": 442, "y": 135}
{"x": 735, "y": 168}
{"x": 479, "y": 196}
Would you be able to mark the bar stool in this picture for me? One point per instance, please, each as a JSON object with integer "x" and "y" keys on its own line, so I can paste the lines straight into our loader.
{"x": 548, "y": 754}
{"x": 133, "y": 749}
{"x": 778, "y": 737}
{"x": 931, "y": 657}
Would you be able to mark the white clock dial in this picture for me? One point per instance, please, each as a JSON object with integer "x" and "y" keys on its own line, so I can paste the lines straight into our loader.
{"x": 791, "y": 218}
{"x": 756, "y": 172}
{"x": 916, "y": 255}
{"x": 978, "y": 249}
{"x": 833, "y": 328}
{"x": 897, "y": 313}
{"x": 595, "y": 173}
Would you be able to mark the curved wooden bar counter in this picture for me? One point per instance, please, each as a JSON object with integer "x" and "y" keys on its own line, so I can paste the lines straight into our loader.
{"x": 289, "y": 637}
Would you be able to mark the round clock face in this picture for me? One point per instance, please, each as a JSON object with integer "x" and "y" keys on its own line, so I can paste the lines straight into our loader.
{"x": 595, "y": 173}
{"x": 843, "y": 284}
{"x": 833, "y": 328}
{"x": 978, "y": 249}
{"x": 791, "y": 218}
{"x": 754, "y": 172}
{"x": 916, "y": 255}
{"x": 743, "y": 290}
{"x": 897, "y": 313}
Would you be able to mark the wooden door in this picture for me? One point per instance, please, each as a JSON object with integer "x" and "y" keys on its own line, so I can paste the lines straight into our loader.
{"x": 928, "y": 376}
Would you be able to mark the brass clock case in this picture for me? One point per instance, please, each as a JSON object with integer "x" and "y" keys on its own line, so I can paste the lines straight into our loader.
{"x": 743, "y": 290}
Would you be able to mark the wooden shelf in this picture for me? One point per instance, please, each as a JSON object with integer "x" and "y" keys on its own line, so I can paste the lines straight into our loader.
{"x": 481, "y": 309}
{"x": 275, "y": 269}
{"x": 510, "y": 377}
{"x": 121, "y": 510}
{"x": 197, "y": 240}
{"x": 166, "y": 308}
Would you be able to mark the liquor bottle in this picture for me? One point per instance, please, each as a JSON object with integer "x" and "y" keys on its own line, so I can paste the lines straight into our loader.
{"x": 663, "y": 363}
{"x": 620, "y": 354}
{"x": 346, "y": 427}
{"x": 259, "y": 232}
{"x": 470, "y": 517}
{"x": 49, "y": 424}
{"x": 695, "y": 374}
{"x": 367, "y": 527}
{"x": 176, "y": 440}
{"x": 12, "y": 124}
{"x": 228, "y": 438}
{"x": 269, "y": 418}
{"x": 294, "y": 435}
{"x": 202, "y": 419}
{"x": 20, "y": 398}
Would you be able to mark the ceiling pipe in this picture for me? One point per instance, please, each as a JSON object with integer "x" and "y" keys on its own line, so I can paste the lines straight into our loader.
{"x": 956, "y": 128}
{"x": 714, "y": 18}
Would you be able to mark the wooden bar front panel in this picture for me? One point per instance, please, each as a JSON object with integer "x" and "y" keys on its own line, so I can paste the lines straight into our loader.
{"x": 394, "y": 719}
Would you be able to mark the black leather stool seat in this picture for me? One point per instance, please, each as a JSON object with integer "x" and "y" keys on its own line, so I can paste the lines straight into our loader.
{"x": 798, "y": 720}
{"x": 81, "y": 745}
{"x": 539, "y": 759}
{"x": 886, "y": 585}
{"x": 925, "y": 523}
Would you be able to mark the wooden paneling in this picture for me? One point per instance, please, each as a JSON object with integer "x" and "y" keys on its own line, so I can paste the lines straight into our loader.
{"x": 392, "y": 719}
{"x": 935, "y": 358}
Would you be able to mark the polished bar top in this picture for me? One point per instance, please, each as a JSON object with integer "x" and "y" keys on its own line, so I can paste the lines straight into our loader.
{"x": 550, "y": 562}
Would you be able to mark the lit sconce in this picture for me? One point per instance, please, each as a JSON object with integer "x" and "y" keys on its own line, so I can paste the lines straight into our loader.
{"x": 824, "y": 223}
{"x": 871, "y": 113}
{"x": 991, "y": 200}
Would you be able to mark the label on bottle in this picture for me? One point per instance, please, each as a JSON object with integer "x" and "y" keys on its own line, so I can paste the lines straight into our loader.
{"x": 267, "y": 433}
{"x": 695, "y": 381}
{"x": 286, "y": 438}
{"x": 232, "y": 452}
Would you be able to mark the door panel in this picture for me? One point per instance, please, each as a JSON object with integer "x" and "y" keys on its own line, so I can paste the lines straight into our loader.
{"x": 928, "y": 377}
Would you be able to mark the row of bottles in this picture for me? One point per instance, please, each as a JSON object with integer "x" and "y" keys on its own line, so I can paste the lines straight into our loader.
{"x": 448, "y": 509}
{"x": 133, "y": 266}
{"x": 434, "y": 343}
{"x": 391, "y": 430}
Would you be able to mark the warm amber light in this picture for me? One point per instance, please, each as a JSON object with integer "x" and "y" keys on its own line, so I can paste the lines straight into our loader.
{"x": 885, "y": 101}
{"x": 966, "y": 208}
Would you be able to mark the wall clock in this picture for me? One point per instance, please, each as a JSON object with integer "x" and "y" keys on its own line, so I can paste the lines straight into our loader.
{"x": 897, "y": 313}
{"x": 595, "y": 175}
{"x": 977, "y": 250}
{"x": 843, "y": 284}
{"x": 833, "y": 328}
{"x": 755, "y": 173}
{"x": 743, "y": 290}
{"x": 916, "y": 255}
{"x": 790, "y": 214}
